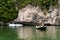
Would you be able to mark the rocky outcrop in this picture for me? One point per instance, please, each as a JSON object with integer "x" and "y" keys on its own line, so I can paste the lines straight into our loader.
{"x": 29, "y": 13}
{"x": 57, "y": 21}
{"x": 35, "y": 14}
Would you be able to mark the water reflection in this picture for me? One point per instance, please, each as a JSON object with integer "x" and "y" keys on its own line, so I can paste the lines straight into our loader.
{"x": 40, "y": 33}
{"x": 51, "y": 32}
{"x": 31, "y": 32}
{"x": 25, "y": 32}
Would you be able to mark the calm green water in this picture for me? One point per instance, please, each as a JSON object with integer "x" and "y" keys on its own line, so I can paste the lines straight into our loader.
{"x": 30, "y": 33}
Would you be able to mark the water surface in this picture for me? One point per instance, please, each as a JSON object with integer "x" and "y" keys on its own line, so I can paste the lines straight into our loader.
{"x": 30, "y": 33}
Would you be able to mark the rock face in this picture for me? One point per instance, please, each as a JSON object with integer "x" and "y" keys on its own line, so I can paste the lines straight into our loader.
{"x": 30, "y": 13}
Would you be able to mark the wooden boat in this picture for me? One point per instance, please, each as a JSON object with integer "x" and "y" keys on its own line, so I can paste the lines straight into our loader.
{"x": 41, "y": 27}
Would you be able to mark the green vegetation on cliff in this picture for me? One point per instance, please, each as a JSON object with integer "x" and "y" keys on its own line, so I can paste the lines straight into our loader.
{"x": 9, "y": 8}
{"x": 42, "y": 3}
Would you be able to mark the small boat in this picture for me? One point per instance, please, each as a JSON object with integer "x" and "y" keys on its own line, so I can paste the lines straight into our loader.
{"x": 13, "y": 25}
{"x": 41, "y": 27}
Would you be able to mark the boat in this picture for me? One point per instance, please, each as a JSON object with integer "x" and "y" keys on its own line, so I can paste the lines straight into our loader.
{"x": 41, "y": 27}
{"x": 15, "y": 25}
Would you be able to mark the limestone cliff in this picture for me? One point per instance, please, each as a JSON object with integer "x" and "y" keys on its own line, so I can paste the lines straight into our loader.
{"x": 31, "y": 13}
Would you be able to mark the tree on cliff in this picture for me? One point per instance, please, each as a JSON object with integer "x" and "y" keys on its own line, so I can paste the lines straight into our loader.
{"x": 42, "y": 3}
{"x": 9, "y": 12}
